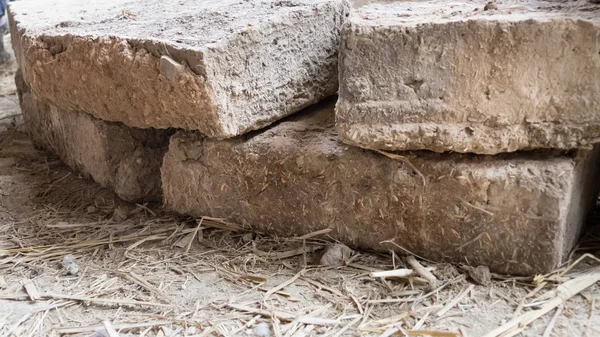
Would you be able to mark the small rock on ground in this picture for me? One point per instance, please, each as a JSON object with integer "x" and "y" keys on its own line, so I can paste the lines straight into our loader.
{"x": 335, "y": 255}
{"x": 481, "y": 275}
{"x": 489, "y": 6}
{"x": 121, "y": 213}
{"x": 70, "y": 264}
{"x": 262, "y": 329}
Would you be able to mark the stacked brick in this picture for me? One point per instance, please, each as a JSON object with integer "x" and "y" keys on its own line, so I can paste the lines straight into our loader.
{"x": 459, "y": 134}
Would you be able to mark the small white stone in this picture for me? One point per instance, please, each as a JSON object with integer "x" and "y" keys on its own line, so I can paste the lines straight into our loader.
{"x": 262, "y": 329}
{"x": 69, "y": 263}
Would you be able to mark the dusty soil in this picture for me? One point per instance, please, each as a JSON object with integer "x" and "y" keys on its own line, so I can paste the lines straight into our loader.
{"x": 175, "y": 277}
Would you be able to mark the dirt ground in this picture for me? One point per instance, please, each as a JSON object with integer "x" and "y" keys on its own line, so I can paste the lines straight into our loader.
{"x": 145, "y": 272}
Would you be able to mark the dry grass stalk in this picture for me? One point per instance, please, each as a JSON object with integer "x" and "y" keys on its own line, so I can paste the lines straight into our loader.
{"x": 420, "y": 323}
{"x": 346, "y": 327}
{"x": 403, "y": 273}
{"x": 319, "y": 321}
{"x": 431, "y": 333}
{"x": 222, "y": 224}
{"x": 563, "y": 293}
{"x": 590, "y": 321}
{"x": 96, "y": 327}
{"x": 406, "y": 161}
{"x": 189, "y": 245}
{"x": 105, "y": 301}
{"x": 421, "y": 270}
{"x": 455, "y": 301}
{"x": 284, "y": 284}
{"x": 550, "y": 326}
{"x": 295, "y": 324}
{"x": 314, "y": 234}
{"x": 31, "y": 290}
{"x": 283, "y": 316}
{"x": 320, "y": 285}
{"x": 294, "y": 252}
{"x": 539, "y": 287}
{"x": 109, "y": 329}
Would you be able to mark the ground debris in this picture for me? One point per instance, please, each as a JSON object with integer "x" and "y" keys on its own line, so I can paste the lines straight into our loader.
{"x": 121, "y": 212}
{"x": 481, "y": 275}
{"x": 262, "y": 329}
{"x": 232, "y": 279}
{"x": 490, "y": 6}
{"x": 335, "y": 255}
{"x": 70, "y": 265}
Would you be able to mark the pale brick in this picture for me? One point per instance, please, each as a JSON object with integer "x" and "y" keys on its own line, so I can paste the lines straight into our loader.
{"x": 436, "y": 76}
{"x": 222, "y": 67}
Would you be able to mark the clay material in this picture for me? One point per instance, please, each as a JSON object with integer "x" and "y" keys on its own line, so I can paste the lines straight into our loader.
{"x": 517, "y": 213}
{"x": 222, "y": 67}
{"x": 454, "y": 77}
{"x": 124, "y": 159}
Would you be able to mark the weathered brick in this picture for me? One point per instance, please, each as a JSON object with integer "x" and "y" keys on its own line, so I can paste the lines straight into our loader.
{"x": 517, "y": 213}
{"x": 222, "y": 67}
{"x": 443, "y": 77}
{"x": 126, "y": 160}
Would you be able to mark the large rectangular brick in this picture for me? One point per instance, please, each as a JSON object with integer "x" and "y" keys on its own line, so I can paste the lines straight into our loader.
{"x": 126, "y": 160}
{"x": 517, "y": 213}
{"x": 454, "y": 77}
{"x": 222, "y": 67}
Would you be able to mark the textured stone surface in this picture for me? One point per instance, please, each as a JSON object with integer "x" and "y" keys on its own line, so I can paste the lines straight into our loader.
{"x": 221, "y": 67}
{"x": 429, "y": 75}
{"x": 516, "y": 213}
{"x": 124, "y": 159}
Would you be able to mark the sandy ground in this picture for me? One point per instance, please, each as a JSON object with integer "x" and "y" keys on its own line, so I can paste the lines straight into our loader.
{"x": 150, "y": 273}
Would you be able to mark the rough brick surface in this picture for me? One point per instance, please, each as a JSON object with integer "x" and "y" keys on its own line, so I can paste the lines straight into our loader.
{"x": 427, "y": 75}
{"x": 221, "y": 67}
{"x": 124, "y": 159}
{"x": 517, "y": 213}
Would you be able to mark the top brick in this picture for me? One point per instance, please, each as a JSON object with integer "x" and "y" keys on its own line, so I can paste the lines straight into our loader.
{"x": 453, "y": 76}
{"x": 221, "y": 67}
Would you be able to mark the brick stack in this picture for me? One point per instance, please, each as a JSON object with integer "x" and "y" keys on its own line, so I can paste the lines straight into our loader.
{"x": 459, "y": 134}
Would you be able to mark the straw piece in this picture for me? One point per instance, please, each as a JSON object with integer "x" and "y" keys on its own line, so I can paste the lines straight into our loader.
{"x": 318, "y": 321}
{"x": 404, "y": 272}
{"x": 31, "y": 290}
{"x": 563, "y": 293}
{"x": 284, "y": 284}
{"x": 189, "y": 245}
{"x": 322, "y": 286}
{"x": 550, "y": 326}
{"x": 313, "y": 234}
{"x": 431, "y": 333}
{"x": 102, "y": 300}
{"x": 455, "y": 301}
{"x": 347, "y": 326}
{"x": 295, "y": 252}
{"x": 283, "y": 316}
{"x": 109, "y": 329}
{"x": 120, "y": 326}
{"x": 145, "y": 284}
{"x": 421, "y": 270}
